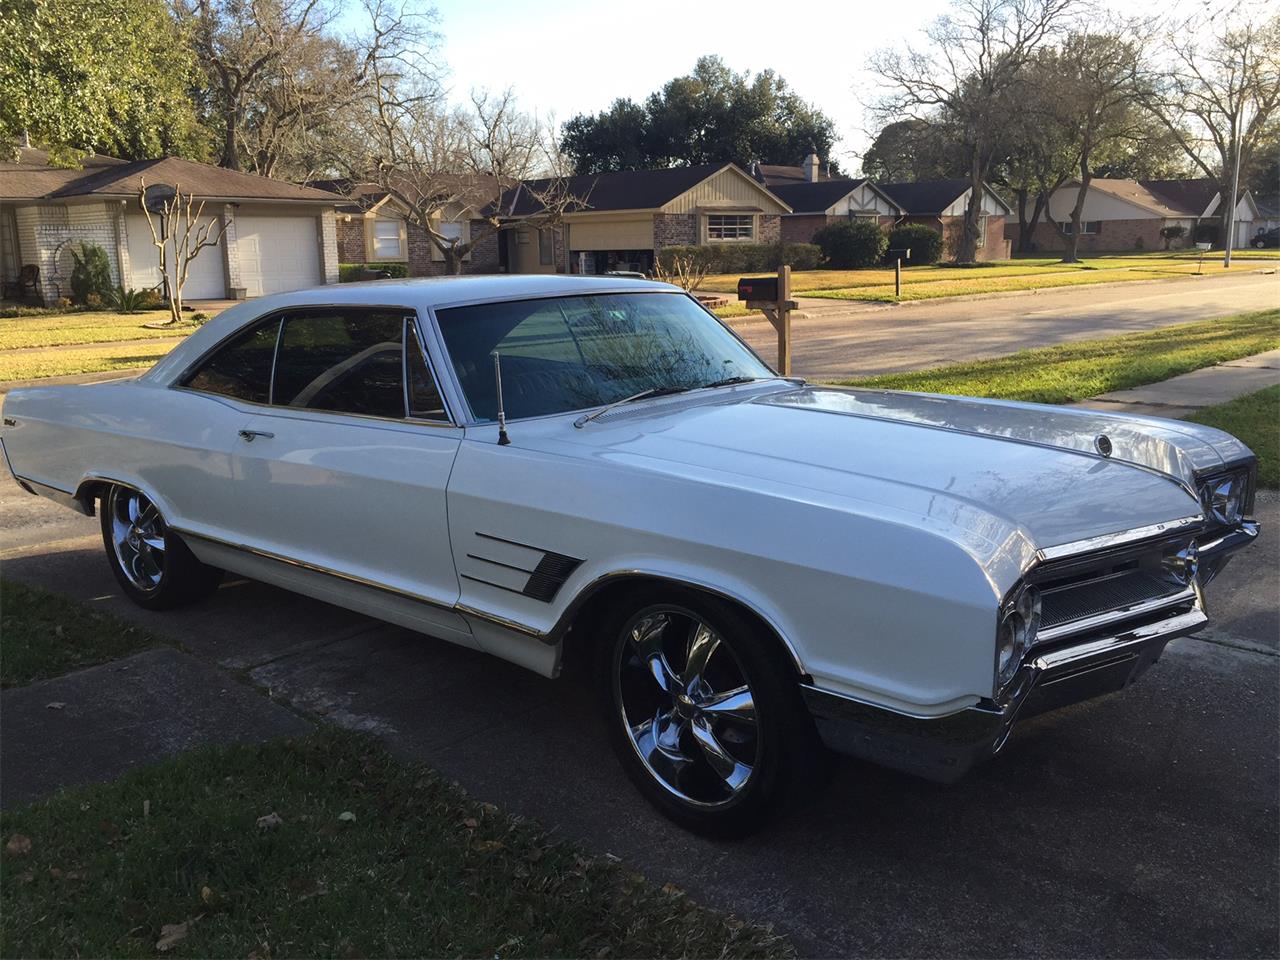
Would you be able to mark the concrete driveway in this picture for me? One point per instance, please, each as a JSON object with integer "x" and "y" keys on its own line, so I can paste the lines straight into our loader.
{"x": 1142, "y": 824}
{"x": 839, "y": 339}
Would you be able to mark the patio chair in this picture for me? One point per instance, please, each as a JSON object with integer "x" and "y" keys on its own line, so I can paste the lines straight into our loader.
{"x": 26, "y": 286}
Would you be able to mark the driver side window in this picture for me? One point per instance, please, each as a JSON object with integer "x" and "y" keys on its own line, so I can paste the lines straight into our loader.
{"x": 343, "y": 361}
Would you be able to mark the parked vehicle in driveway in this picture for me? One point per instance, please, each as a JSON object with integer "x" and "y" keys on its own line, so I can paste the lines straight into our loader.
{"x": 1266, "y": 238}
{"x": 549, "y": 468}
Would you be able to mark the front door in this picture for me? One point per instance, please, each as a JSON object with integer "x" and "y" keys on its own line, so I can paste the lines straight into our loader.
{"x": 345, "y": 470}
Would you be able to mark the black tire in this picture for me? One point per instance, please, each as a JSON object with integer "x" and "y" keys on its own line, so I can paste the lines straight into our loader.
{"x": 1259, "y": 244}
{"x": 154, "y": 568}
{"x": 780, "y": 747}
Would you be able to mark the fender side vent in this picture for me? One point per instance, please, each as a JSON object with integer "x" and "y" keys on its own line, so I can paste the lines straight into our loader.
{"x": 549, "y": 576}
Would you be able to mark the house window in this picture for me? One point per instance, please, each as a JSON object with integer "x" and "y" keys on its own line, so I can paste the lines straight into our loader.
{"x": 388, "y": 239}
{"x": 1086, "y": 226}
{"x": 730, "y": 226}
{"x": 546, "y": 248}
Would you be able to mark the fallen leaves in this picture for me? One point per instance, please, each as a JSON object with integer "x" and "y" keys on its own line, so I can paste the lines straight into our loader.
{"x": 346, "y": 816}
{"x": 272, "y": 819}
{"x": 18, "y": 846}
{"x": 171, "y": 934}
{"x": 56, "y": 705}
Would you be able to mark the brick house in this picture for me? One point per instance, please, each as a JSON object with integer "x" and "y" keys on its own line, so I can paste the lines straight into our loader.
{"x": 372, "y": 228}
{"x": 1129, "y": 214}
{"x": 275, "y": 236}
{"x": 621, "y": 220}
{"x": 941, "y": 204}
{"x": 815, "y": 204}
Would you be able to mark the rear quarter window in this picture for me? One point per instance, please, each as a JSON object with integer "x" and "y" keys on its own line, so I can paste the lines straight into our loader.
{"x": 241, "y": 368}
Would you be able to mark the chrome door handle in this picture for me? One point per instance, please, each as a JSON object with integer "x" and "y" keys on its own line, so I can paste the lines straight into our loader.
{"x": 248, "y": 435}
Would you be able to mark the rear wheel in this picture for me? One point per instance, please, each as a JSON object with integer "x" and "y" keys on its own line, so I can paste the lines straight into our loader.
{"x": 704, "y": 712}
{"x": 153, "y": 566}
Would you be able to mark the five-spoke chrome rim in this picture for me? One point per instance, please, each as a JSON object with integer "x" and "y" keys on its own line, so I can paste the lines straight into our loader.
{"x": 694, "y": 728}
{"x": 137, "y": 533}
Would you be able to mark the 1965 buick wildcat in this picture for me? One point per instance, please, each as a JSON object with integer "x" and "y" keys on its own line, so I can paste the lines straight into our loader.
{"x": 547, "y": 468}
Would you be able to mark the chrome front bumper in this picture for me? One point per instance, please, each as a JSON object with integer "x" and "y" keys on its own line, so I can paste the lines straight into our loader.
{"x": 1054, "y": 675}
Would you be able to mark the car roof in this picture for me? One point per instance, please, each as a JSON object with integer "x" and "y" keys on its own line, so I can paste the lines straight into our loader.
{"x": 419, "y": 293}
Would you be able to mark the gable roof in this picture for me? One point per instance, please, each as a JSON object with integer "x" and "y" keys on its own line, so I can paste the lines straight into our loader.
{"x": 780, "y": 174}
{"x": 1193, "y": 196}
{"x": 930, "y": 197}
{"x": 620, "y": 190}
{"x": 482, "y": 188}
{"x": 32, "y": 179}
{"x": 820, "y": 195}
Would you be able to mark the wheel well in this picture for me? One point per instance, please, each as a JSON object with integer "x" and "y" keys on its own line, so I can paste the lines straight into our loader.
{"x": 579, "y": 629}
{"x": 88, "y": 492}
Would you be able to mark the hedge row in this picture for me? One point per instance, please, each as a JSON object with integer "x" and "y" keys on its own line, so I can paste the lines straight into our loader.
{"x": 349, "y": 272}
{"x": 747, "y": 257}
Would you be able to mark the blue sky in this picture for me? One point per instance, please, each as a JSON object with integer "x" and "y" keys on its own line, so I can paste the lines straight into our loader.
{"x": 564, "y": 57}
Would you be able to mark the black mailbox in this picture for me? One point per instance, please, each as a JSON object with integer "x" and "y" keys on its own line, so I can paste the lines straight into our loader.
{"x": 758, "y": 288}
{"x": 900, "y": 254}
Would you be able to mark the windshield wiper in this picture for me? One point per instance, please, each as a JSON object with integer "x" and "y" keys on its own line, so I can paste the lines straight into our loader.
{"x": 730, "y": 381}
{"x": 642, "y": 395}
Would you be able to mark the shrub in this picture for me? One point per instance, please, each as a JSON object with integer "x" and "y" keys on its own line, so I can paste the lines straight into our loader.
{"x": 851, "y": 244}
{"x": 150, "y": 299}
{"x": 91, "y": 274}
{"x": 63, "y": 303}
{"x": 199, "y": 319}
{"x": 351, "y": 272}
{"x": 924, "y": 242}
{"x": 744, "y": 257}
{"x": 128, "y": 301}
{"x": 1169, "y": 234}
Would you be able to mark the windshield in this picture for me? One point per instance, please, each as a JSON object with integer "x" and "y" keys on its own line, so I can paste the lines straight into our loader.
{"x": 571, "y": 353}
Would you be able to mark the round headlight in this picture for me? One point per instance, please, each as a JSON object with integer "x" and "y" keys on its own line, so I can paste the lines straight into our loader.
{"x": 1019, "y": 625}
{"x": 1223, "y": 498}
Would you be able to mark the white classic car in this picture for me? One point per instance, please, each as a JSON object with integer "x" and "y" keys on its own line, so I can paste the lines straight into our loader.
{"x": 547, "y": 468}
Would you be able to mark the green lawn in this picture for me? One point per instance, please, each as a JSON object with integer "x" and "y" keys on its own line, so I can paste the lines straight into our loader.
{"x": 46, "y": 635}
{"x": 1255, "y": 419}
{"x": 90, "y": 326}
{"x": 1075, "y": 371}
{"x": 96, "y": 358}
{"x": 872, "y": 283}
{"x": 370, "y": 857}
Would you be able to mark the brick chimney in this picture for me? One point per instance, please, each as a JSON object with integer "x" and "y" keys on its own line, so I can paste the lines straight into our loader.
{"x": 811, "y": 164}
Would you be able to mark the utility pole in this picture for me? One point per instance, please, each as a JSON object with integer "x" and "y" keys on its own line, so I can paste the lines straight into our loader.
{"x": 1235, "y": 188}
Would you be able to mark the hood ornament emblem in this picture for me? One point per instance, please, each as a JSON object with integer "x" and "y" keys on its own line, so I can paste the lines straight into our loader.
{"x": 1102, "y": 443}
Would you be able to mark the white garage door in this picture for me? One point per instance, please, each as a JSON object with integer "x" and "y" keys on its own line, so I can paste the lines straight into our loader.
{"x": 206, "y": 276}
{"x": 278, "y": 253}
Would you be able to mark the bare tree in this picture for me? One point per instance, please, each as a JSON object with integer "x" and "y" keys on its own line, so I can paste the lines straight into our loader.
{"x": 445, "y": 165}
{"x": 965, "y": 76}
{"x": 1219, "y": 96}
{"x": 181, "y": 235}
{"x": 685, "y": 270}
{"x": 270, "y": 68}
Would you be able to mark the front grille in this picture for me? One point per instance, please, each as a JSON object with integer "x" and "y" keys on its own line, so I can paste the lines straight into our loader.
{"x": 1114, "y": 592}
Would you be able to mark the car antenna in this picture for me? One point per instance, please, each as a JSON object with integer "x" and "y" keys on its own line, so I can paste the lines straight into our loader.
{"x": 503, "y": 439}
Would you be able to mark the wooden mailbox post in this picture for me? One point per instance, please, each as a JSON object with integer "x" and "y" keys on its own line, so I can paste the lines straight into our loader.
{"x": 772, "y": 297}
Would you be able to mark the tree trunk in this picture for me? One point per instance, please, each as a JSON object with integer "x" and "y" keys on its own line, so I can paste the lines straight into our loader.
{"x": 1027, "y": 226}
{"x": 1072, "y": 254}
{"x": 231, "y": 143}
{"x": 968, "y": 252}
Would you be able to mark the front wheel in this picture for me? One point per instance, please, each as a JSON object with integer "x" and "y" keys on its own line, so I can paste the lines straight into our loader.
{"x": 704, "y": 712}
{"x": 1259, "y": 244}
{"x": 153, "y": 566}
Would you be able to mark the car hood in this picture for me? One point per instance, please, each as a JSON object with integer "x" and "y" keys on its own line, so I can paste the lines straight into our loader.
{"x": 990, "y": 468}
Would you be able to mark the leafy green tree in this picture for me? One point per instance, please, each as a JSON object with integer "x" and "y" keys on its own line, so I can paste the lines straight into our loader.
{"x": 111, "y": 76}
{"x": 906, "y": 151}
{"x": 711, "y": 115}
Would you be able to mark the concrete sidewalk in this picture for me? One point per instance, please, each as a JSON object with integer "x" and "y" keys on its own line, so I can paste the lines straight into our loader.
{"x": 1178, "y": 397}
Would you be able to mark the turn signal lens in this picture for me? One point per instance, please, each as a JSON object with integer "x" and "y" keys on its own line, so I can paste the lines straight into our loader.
{"x": 1223, "y": 498}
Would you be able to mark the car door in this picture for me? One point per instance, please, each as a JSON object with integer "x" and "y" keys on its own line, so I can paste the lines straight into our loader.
{"x": 345, "y": 470}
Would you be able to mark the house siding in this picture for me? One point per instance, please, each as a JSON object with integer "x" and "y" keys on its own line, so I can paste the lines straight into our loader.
{"x": 800, "y": 228}
{"x": 1113, "y": 235}
{"x": 350, "y": 237}
{"x": 674, "y": 229}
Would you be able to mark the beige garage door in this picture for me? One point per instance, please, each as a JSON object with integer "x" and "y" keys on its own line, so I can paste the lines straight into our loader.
{"x": 206, "y": 275}
{"x": 630, "y": 234}
{"x": 278, "y": 253}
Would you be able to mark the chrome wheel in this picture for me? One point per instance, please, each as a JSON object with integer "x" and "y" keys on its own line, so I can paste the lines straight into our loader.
{"x": 694, "y": 728}
{"x": 137, "y": 535}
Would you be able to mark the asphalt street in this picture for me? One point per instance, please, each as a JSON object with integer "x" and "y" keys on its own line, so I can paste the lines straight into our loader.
{"x": 1141, "y": 824}
{"x": 846, "y": 339}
